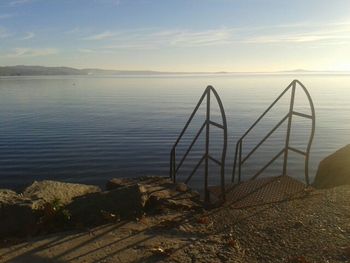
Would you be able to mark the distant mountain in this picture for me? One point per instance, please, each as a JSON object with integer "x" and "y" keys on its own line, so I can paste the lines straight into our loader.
{"x": 44, "y": 71}
{"x": 96, "y": 71}
{"x": 38, "y": 71}
{"x": 315, "y": 72}
{"x": 47, "y": 71}
{"x": 295, "y": 70}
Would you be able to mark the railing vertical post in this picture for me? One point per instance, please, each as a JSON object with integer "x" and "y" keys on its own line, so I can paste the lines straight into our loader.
{"x": 290, "y": 115}
{"x": 234, "y": 164}
{"x": 311, "y": 135}
{"x": 171, "y": 175}
{"x": 224, "y": 146}
{"x": 174, "y": 165}
{"x": 240, "y": 162}
{"x": 307, "y": 169}
{"x": 206, "y": 171}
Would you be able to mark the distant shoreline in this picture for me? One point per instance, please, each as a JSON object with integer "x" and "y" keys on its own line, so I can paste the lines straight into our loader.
{"x": 17, "y": 71}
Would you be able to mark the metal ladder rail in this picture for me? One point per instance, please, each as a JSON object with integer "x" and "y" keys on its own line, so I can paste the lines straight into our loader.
{"x": 206, "y": 157}
{"x": 238, "y": 150}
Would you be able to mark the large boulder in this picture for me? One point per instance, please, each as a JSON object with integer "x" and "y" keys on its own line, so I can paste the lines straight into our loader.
{"x": 130, "y": 198}
{"x": 334, "y": 170}
{"x": 43, "y": 192}
{"x": 119, "y": 182}
{"x": 48, "y": 206}
{"x": 164, "y": 195}
{"x": 9, "y": 197}
{"x": 40, "y": 203}
{"x": 122, "y": 202}
{"x": 16, "y": 214}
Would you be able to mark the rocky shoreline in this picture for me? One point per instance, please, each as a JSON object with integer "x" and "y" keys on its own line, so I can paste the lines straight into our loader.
{"x": 51, "y": 206}
{"x": 172, "y": 226}
{"x": 151, "y": 219}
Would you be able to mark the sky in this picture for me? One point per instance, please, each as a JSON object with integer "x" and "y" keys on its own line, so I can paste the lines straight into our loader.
{"x": 177, "y": 35}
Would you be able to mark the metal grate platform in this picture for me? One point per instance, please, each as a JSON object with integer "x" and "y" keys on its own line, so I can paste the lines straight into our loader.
{"x": 261, "y": 191}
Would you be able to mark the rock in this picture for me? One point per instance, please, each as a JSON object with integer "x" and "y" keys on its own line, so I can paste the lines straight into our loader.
{"x": 124, "y": 202}
{"x": 334, "y": 170}
{"x": 8, "y": 196}
{"x": 171, "y": 200}
{"x": 298, "y": 224}
{"x": 196, "y": 195}
{"x": 181, "y": 187}
{"x": 154, "y": 203}
{"x": 118, "y": 182}
{"x": 23, "y": 214}
{"x": 17, "y": 218}
{"x": 178, "y": 204}
{"x": 297, "y": 259}
{"x": 346, "y": 252}
{"x": 48, "y": 206}
{"x": 47, "y": 191}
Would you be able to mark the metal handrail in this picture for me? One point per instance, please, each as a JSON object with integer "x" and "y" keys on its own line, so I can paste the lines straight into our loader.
{"x": 286, "y": 148}
{"x": 174, "y": 168}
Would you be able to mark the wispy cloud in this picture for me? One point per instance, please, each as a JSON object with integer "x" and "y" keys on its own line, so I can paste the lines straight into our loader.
{"x": 201, "y": 38}
{"x": 32, "y": 52}
{"x": 153, "y": 39}
{"x": 308, "y": 33}
{"x": 19, "y": 2}
{"x": 101, "y": 36}
{"x": 4, "y": 33}
{"x": 5, "y": 16}
{"x": 297, "y": 38}
{"x": 111, "y": 2}
{"x": 86, "y": 50}
{"x": 299, "y": 34}
{"x": 94, "y": 50}
{"x": 29, "y": 35}
{"x": 74, "y": 30}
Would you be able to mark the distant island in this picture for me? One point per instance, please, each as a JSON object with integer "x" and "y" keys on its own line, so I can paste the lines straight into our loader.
{"x": 21, "y": 70}
{"x": 47, "y": 71}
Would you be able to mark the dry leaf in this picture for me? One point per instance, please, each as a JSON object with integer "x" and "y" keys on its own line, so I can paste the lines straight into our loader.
{"x": 346, "y": 251}
{"x": 161, "y": 251}
{"x": 298, "y": 259}
{"x": 203, "y": 220}
{"x": 232, "y": 243}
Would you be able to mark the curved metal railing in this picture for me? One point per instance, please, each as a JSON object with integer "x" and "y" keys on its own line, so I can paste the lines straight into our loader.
{"x": 174, "y": 168}
{"x": 238, "y": 152}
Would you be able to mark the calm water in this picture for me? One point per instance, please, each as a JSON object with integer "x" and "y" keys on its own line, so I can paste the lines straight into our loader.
{"x": 89, "y": 129}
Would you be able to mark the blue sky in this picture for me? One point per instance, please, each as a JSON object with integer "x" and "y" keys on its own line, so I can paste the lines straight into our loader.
{"x": 184, "y": 35}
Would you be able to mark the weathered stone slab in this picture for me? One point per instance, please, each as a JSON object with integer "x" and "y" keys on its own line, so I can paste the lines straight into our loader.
{"x": 47, "y": 206}
{"x": 8, "y": 196}
{"x": 123, "y": 202}
{"x": 334, "y": 170}
{"x": 16, "y": 214}
{"x": 21, "y": 214}
{"x": 119, "y": 182}
{"x": 46, "y": 191}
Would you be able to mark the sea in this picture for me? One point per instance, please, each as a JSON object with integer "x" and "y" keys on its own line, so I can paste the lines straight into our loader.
{"x": 89, "y": 129}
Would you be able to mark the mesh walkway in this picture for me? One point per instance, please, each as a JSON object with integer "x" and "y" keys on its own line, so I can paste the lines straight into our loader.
{"x": 261, "y": 191}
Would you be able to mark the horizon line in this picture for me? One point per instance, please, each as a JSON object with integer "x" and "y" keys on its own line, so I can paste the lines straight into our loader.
{"x": 188, "y": 72}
